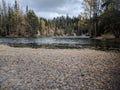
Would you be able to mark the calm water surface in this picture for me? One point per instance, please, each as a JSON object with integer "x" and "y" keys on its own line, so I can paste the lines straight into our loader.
{"x": 61, "y": 42}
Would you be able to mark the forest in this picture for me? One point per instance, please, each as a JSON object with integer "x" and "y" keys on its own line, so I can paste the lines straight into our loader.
{"x": 99, "y": 17}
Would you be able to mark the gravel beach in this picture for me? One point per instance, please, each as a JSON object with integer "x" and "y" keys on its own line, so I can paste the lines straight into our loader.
{"x": 58, "y": 69}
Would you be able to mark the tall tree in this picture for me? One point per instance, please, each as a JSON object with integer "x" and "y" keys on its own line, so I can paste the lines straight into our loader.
{"x": 93, "y": 9}
{"x": 32, "y": 22}
{"x": 4, "y": 21}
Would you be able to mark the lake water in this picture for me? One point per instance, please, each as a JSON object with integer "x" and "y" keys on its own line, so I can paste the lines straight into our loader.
{"x": 61, "y": 42}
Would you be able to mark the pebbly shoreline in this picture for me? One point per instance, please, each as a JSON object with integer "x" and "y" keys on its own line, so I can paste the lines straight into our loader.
{"x": 58, "y": 69}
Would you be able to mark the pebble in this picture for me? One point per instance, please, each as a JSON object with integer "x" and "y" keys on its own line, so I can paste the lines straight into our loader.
{"x": 58, "y": 69}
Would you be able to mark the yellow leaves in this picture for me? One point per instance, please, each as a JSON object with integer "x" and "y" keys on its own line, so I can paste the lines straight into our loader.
{"x": 89, "y": 78}
{"x": 67, "y": 74}
{"x": 42, "y": 24}
{"x": 99, "y": 84}
{"x": 89, "y": 1}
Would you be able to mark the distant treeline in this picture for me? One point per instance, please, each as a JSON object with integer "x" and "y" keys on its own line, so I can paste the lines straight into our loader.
{"x": 15, "y": 23}
{"x": 94, "y": 21}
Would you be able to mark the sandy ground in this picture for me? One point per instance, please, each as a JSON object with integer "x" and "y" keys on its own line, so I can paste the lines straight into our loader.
{"x": 58, "y": 69}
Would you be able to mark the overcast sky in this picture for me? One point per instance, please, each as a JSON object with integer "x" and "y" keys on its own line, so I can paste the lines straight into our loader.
{"x": 51, "y": 8}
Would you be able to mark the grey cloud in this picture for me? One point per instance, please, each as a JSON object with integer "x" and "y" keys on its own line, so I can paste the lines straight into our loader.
{"x": 54, "y": 7}
{"x": 43, "y": 5}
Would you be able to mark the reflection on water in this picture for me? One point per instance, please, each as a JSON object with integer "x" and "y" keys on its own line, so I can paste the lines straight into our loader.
{"x": 61, "y": 42}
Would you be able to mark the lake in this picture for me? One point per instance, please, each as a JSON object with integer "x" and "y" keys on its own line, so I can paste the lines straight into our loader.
{"x": 62, "y": 42}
